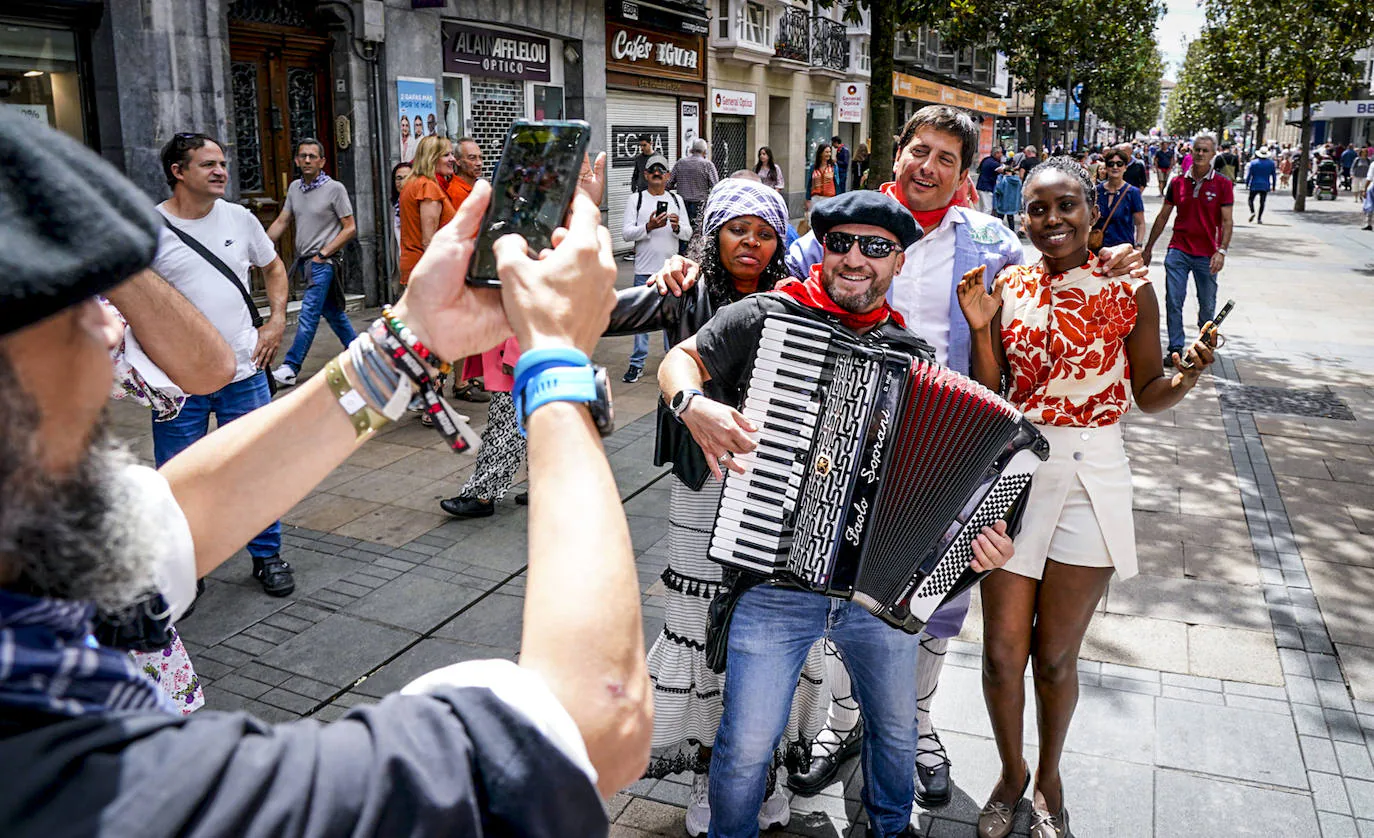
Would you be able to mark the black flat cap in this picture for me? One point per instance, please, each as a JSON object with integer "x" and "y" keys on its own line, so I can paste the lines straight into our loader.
{"x": 864, "y": 206}
{"x": 71, "y": 226}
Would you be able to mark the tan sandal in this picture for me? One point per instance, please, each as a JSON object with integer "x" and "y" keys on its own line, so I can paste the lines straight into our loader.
{"x": 995, "y": 818}
{"x": 1045, "y": 825}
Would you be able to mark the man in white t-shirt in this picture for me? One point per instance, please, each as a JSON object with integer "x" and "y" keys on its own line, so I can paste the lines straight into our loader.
{"x": 656, "y": 236}
{"x": 195, "y": 168}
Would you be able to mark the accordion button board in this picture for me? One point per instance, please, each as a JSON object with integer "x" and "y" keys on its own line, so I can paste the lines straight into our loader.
{"x": 873, "y": 474}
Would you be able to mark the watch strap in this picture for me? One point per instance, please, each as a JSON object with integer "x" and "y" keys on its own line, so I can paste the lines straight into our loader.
{"x": 555, "y": 383}
{"x": 534, "y": 361}
{"x": 682, "y": 399}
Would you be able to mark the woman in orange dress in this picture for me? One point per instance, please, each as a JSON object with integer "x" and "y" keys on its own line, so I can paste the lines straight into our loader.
{"x": 425, "y": 206}
{"x": 822, "y": 175}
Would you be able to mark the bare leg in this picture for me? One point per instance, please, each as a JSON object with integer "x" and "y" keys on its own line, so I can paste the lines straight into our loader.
{"x": 1008, "y": 614}
{"x": 1064, "y": 607}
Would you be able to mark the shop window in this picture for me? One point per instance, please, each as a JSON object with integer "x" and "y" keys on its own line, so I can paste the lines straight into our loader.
{"x": 548, "y": 102}
{"x": 38, "y": 77}
{"x": 455, "y": 124}
{"x": 755, "y": 24}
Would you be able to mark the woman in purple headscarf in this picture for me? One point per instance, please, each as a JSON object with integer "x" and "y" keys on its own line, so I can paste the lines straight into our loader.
{"x": 740, "y": 252}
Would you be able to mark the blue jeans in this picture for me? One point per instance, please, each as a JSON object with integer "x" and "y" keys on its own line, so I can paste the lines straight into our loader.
{"x": 316, "y": 302}
{"x": 230, "y": 402}
{"x": 1177, "y": 266}
{"x": 640, "y": 353}
{"x": 772, "y": 630}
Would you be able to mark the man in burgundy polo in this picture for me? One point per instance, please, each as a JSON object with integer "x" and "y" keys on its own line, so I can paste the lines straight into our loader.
{"x": 1202, "y": 233}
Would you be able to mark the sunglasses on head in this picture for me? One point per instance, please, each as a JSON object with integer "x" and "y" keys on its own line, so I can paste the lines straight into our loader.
{"x": 874, "y": 247}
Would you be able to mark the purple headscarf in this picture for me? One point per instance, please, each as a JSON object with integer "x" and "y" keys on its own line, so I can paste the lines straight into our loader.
{"x": 734, "y": 197}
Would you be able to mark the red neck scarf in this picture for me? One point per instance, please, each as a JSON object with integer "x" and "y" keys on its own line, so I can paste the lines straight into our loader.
{"x": 812, "y": 294}
{"x": 926, "y": 218}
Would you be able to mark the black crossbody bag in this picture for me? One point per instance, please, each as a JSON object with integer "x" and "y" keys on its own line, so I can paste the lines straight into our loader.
{"x": 228, "y": 273}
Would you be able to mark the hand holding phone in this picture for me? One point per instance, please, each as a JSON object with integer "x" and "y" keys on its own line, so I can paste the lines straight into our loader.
{"x": 1211, "y": 335}
{"x": 657, "y": 220}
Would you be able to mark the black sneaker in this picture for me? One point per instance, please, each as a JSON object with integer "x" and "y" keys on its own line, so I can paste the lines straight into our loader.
{"x": 633, "y": 374}
{"x": 1169, "y": 358}
{"x": 274, "y": 574}
{"x": 461, "y": 507}
{"x": 522, "y": 499}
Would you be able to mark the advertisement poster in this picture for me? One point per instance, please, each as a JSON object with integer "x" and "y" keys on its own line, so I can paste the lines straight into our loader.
{"x": 691, "y": 125}
{"x": 735, "y": 102}
{"x": 418, "y": 113}
{"x": 850, "y": 101}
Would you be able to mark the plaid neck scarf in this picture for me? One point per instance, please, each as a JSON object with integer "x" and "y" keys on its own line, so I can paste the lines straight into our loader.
{"x": 320, "y": 180}
{"x": 49, "y": 662}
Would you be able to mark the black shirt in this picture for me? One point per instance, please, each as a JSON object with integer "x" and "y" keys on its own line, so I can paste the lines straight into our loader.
{"x": 729, "y": 341}
{"x": 458, "y": 762}
{"x": 1136, "y": 175}
{"x": 637, "y": 182}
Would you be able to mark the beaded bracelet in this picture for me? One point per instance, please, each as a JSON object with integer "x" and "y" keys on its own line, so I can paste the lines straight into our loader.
{"x": 411, "y": 342}
{"x": 452, "y": 427}
{"x": 377, "y": 377}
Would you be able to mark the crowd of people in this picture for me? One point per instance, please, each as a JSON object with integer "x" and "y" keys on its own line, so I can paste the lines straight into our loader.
{"x": 754, "y": 685}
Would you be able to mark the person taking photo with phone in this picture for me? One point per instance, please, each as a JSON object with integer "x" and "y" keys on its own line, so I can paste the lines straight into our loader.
{"x": 656, "y": 221}
{"x": 1077, "y": 529}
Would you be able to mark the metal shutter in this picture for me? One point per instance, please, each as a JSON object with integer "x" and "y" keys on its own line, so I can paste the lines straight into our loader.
{"x": 627, "y": 116}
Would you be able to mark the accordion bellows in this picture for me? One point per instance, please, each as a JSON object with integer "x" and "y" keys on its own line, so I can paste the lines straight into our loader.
{"x": 874, "y": 472}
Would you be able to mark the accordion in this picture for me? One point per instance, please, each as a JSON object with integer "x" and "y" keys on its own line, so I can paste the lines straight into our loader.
{"x": 873, "y": 474}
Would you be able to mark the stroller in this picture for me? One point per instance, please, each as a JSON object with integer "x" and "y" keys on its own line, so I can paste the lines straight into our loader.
{"x": 1327, "y": 173}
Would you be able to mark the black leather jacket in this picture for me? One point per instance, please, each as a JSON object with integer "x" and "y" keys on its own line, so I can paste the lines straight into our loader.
{"x": 643, "y": 309}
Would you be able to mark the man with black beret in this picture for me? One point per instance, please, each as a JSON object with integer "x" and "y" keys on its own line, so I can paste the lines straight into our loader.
{"x": 91, "y": 746}
{"x": 774, "y": 625}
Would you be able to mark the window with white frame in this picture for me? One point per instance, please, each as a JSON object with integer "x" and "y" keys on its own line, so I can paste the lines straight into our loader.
{"x": 723, "y": 19}
{"x": 864, "y": 64}
{"x": 755, "y": 24}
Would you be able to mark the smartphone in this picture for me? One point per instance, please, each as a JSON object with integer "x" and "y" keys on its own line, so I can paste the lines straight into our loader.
{"x": 1213, "y": 328}
{"x": 661, "y": 208}
{"x": 531, "y": 190}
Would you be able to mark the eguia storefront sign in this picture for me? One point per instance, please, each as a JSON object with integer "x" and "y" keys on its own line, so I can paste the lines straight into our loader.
{"x": 646, "y": 52}
{"x": 474, "y": 51}
{"x": 736, "y": 102}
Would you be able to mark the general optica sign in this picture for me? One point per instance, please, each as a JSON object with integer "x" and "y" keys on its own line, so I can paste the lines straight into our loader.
{"x": 473, "y": 51}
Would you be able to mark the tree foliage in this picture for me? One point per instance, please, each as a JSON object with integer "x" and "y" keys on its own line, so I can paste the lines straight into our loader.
{"x": 1193, "y": 104}
{"x": 1124, "y": 90}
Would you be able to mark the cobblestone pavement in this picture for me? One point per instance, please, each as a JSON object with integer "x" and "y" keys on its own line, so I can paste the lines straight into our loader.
{"x": 1228, "y": 689}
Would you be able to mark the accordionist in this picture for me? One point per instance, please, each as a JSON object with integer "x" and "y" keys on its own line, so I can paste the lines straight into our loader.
{"x": 773, "y": 625}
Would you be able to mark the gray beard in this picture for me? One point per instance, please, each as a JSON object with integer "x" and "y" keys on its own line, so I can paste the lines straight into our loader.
{"x": 67, "y": 535}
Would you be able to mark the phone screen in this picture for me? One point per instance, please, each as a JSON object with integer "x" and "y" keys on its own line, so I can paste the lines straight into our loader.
{"x": 662, "y": 208}
{"x": 531, "y": 190}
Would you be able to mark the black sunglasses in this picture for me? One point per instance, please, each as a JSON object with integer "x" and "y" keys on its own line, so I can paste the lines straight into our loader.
{"x": 874, "y": 247}
{"x": 1112, "y": 164}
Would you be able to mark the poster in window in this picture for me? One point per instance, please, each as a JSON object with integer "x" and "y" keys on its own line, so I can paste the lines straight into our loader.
{"x": 418, "y": 112}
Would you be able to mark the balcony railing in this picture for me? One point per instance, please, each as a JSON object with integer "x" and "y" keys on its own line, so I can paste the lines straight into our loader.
{"x": 794, "y": 34}
{"x": 829, "y": 45}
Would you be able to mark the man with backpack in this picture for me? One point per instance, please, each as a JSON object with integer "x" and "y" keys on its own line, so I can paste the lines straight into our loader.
{"x": 206, "y": 252}
{"x": 656, "y": 221}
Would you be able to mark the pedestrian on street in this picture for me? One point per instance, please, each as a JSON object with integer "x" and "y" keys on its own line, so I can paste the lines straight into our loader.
{"x": 1227, "y": 163}
{"x": 1359, "y": 172}
{"x": 1164, "y": 164}
{"x": 1120, "y": 206}
{"x": 656, "y": 221}
{"x": 399, "y": 174}
{"x": 822, "y": 181}
{"x": 1029, "y": 160}
{"x": 1201, "y": 235}
{"x": 479, "y": 748}
{"x": 739, "y": 253}
{"x": 467, "y": 168}
{"x": 1077, "y": 528}
{"x": 768, "y": 170}
{"x": 858, "y": 168}
{"x": 841, "y": 152}
{"x": 1368, "y": 205}
{"x": 324, "y": 223}
{"x": 425, "y": 206}
{"x": 1348, "y": 157}
{"x": 1285, "y": 169}
{"x": 1006, "y": 199}
{"x": 692, "y": 178}
{"x": 938, "y": 148}
{"x": 988, "y": 169}
{"x": 646, "y": 150}
{"x": 1259, "y": 178}
{"x": 1136, "y": 174}
{"x": 205, "y": 252}
{"x": 503, "y": 446}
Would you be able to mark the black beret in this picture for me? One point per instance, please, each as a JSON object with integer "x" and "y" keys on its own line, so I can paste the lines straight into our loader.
{"x": 71, "y": 226}
{"x": 864, "y": 206}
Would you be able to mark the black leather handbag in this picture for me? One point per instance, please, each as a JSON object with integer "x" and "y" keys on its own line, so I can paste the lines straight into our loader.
{"x": 674, "y": 444}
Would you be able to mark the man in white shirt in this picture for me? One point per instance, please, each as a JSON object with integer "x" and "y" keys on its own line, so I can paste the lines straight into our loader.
{"x": 195, "y": 168}
{"x": 656, "y": 220}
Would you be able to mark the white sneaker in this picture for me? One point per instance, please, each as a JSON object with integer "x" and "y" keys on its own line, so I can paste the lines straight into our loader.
{"x": 699, "y": 810}
{"x": 776, "y": 811}
{"x": 285, "y": 376}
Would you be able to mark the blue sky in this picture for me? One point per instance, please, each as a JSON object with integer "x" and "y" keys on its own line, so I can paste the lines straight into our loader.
{"x": 1180, "y": 24}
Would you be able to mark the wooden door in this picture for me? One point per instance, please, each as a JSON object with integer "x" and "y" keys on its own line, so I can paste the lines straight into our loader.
{"x": 279, "y": 77}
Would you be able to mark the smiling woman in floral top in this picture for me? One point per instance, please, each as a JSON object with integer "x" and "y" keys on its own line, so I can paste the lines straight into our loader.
{"x": 1076, "y": 347}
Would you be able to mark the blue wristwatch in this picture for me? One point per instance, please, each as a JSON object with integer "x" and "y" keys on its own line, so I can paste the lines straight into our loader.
{"x": 544, "y": 376}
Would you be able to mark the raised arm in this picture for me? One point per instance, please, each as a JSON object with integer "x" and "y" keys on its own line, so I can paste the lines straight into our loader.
{"x": 176, "y": 336}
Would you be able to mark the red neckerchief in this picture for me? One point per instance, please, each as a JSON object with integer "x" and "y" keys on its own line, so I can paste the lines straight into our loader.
{"x": 926, "y": 218}
{"x": 812, "y": 294}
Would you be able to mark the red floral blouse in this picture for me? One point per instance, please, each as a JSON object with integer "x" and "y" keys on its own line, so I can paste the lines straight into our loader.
{"x": 1065, "y": 341}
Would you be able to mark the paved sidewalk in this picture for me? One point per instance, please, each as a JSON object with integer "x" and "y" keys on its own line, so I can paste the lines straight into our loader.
{"x": 1229, "y": 689}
